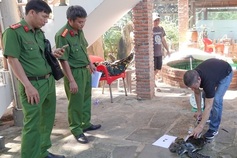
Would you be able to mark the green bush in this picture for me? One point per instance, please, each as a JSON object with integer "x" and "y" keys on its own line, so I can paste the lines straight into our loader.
{"x": 172, "y": 33}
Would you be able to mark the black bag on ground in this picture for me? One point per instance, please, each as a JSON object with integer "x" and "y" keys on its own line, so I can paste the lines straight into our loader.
{"x": 53, "y": 62}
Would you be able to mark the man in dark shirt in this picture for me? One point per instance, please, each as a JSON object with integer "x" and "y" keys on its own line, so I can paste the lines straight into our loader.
{"x": 214, "y": 76}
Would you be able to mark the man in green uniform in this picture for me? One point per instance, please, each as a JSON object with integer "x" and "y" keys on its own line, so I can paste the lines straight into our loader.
{"x": 24, "y": 48}
{"x": 77, "y": 68}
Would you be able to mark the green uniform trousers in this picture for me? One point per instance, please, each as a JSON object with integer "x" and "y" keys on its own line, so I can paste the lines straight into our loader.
{"x": 38, "y": 119}
{"x": 79, "y": 108}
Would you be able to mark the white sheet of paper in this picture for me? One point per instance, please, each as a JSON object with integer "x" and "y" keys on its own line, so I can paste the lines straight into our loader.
{"x": 164, "y": 141}
{"x": 95, "y": 77}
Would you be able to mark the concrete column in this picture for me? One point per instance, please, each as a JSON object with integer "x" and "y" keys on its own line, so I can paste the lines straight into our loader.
{"x": 9, "y": 11}
{"x": 143, "y": 38}
{"x": 9, "y": 18}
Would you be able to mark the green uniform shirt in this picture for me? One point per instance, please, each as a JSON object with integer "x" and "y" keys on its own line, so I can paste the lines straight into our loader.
{"x": 21, "y": 42}
{"x": 75, "y": 54}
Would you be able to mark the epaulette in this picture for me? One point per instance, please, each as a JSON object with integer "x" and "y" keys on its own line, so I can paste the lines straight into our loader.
{"x": 15, "y": 26}
{"x": 64, "y": 33}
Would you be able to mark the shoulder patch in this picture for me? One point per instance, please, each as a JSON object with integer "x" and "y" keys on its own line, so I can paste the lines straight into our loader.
{"x": 15, "y": 26}
{"x": 64, "y": 33}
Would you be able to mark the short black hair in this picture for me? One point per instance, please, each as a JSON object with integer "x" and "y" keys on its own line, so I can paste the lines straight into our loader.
{"x": 76, "y": 11}
{"x": 190, "y": 77}
{"x": 37, "y": 6}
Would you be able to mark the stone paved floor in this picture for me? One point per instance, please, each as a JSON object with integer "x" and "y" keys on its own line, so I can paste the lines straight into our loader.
{"x": 130, "y": 126}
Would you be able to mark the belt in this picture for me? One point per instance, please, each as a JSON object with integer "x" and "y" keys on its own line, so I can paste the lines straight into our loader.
{"x": 83, "y": 67}
{"x": 39, "y": 77}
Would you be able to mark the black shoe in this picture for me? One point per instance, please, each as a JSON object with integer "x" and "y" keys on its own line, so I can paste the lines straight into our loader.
{"x": 50, "y": 155}
{"x": 92, "y": 127}
{"x": 210, "y": 134}
{"x": 82, "y": 139}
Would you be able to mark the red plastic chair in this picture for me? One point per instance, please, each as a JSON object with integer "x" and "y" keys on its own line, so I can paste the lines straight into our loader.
{"x": 208, "y": 45}
{"x": 109, "y": 79}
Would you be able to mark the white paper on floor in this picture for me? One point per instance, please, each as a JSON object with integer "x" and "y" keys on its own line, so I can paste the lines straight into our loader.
{"x": 164, "y": 141}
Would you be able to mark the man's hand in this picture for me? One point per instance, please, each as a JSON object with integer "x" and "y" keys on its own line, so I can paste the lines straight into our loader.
{"x": 198, "y": 115}
{"x": 31, "y": 92}
{"x": 73, "y": 87}
{"x": 32, "y": 95}
{"x": 57, "y": 53}
{"x": 197, "y": 131}
{"x": 92, "y": 67}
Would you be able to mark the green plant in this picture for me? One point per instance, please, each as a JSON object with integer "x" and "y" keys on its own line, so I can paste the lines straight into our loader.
{"x": 227, "y": 15}
{"x": 111, "y": 40}
{"x": 171, "y": 30}
{"x": 112, "y": 37}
